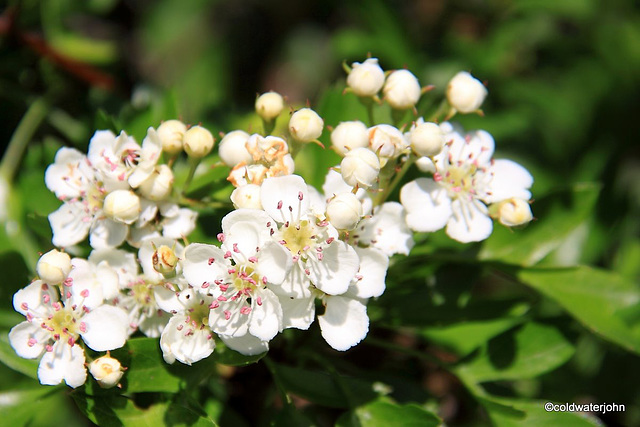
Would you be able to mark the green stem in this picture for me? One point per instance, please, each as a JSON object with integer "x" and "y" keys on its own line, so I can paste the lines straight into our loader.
{"x": 21, "y": 138}
{"x": 382, "y": 197}
{"x": 276, "y": 379}
{"x": 268, "y": 126}
{"x": 443, "y": 110}
{"x": 368, "y": 104}
{"x": 193, "y": 165}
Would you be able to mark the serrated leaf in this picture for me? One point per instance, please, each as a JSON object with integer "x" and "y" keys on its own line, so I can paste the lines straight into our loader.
{"x": 388, "y": 414}
{"x": 525, "y": 352}
{"x": 599, "y": 299}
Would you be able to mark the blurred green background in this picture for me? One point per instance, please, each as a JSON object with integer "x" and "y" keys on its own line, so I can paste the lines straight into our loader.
{"x": 563, "y": 79}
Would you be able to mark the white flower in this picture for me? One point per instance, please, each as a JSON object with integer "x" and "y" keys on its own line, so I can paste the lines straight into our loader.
{"x": 466, "y": 179}
{"x": 158, "y": 185}
{"x": 113, "y": 158}
{"x": 198, "y": 142}
{"x": 386, "y": 230}
{"x": 401, "y": 90}
{"x": 269, "y": 157}
{"x": 269, "y": 105}
{"x": 53, "y": 327}
{"x": 246, "y": 196}
{"x": 171, "y": 134}
{"x": 107, "y": 371}
{"x": 241, "y": 275}
{"x": 513, "y": 212}
{"x": 387, "y": 141}
{"x": 349, "y": 135}
{"x": 187, "y": 337}
{"x": 232, "y": 148}
{"x": 344, "y": 211}
{"x": 361, "y": 167}
{"x": 366, "y": 79}
{"x": 54, "y": 267}
{"x": 305, "y": 125}
{"x": 465, "y": 93}
{"x": 319, "y": 257}
{"x": 334, "y": 185}
{"x": 147, "y": 158}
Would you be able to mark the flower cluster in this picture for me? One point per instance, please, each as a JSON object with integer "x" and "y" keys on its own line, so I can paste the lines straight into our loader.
{"x": 287, "y": 252}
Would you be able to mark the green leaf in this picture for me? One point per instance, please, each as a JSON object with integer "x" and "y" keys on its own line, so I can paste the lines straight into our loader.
{"x": 600, "y": 300}
{"x": 515, "y": 412}
{"x": 386, "y": 414}
{"x": 226, "y": 356}
{"x": 524, "y": 352}
{"x": 37, "y": 407}
{"x": 529, "y": 246}
{"x": 336, "y": 391}
{"x": 8, "y": 356}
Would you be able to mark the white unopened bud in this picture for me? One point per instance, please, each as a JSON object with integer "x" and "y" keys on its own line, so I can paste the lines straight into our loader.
{"x": 349, "y": 135}
{"x": 247, "y": 196}
{"x": 427, "y": 139}
{"x": 159, "y": 184}
{"x": 198, "y": 142}
{"x": 360, "y": 166}
{"x": 402, "y": 90}
{"x": 366, "y": 79}
{"x": 54, "y": 267}
{"x": 269, "y": 105}
{"x": 387, "y": 141}
{"x": 305, "y": 125}
{"x": 171, "y": 134}
{"x": 514, "y": 212}
{"x": 344, "y": 211}
{"x": 164, "y": 260}
{"x": 107, "y": 371}
{"x": 122, "y": 206}
{"x": 465, "y": 93}
{"x": 233, "y": 150}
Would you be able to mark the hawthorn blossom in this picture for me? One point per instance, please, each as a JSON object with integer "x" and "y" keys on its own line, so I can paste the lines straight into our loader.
{"x": 465, "y": 180}
{"x": 54, "y": 326}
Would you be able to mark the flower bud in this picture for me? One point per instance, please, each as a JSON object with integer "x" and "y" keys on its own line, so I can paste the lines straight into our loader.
{"x": 361, "y": 167}
{"x": 171, "y": 134}
{"x": 164, "y": 260}
{"x": 402, "y": 90}
{"x": 246, "y": 196}
{"x": 233, "y": 149}
{"x": 514, "y": 212}
{"x": 465, "y": 93}
{"x": 344, "y": 211}
{"x": 269, "y": 105}
{"x": 198, "y": 142}
{"x": 427, "y": 139}
{"x": 122, "y": 206}
{"x": 349, "y": 135}
{"x": 159, "y": 184}
{"x": 366, "y": 79}
{"x": 305, "y": 125}
{"x": 54, "y": 267}
{"x": 107, "y": 371}
{"x": 387, "y": 141}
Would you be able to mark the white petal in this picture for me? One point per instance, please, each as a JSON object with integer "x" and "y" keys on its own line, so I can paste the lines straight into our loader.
{"x": 20, "y": 335}
{"x": 204, "y": 263}
{"x": 372, "y": 273}
{"x": 31, "y": 298}
{"x": 69, "y": 176}
{"x": 427, "y": 204}
{"x": 63, "y": 363}
{"x": 106, "y": 328}
{"x": 296, "y": 284}
{"x": 297, "y": 313}
{"x": 153, "y": 326}
{"x": 242, "y": 239}
{"x": 186, "y": 348}
{"x": 425, "y": 165}
{"x": 167, "y": 299}
{"x": 509, "y": 180}
{"x": 317, "y": 204}
{"x": 258, "y": 217}
{"x": 265, "y": 318}
{"x": 70, "y": 224}
{"x": 274, "y": 263}
{"x": 148, "y": 212}
{"x": 85, "y": 281}
{"x": 123, "y": 262}
{"x": 246, "y": 344}
{"x": 339, "y": 265}
{"x": 106, "y": 233}
{"x": 138, "y": 235}
{"x": 180, "y": 225}
{"x": 387, "y": 230}
{"x": 285, "y": 191}
{"x": 228, "y": 320}
{"x": 344, "y": 323}
{"x": 469, "y": 223}
{"x": 150, "y": 153}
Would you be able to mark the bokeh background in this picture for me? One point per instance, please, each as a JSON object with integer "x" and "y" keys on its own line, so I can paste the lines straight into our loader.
{"x": 563, "y": 79}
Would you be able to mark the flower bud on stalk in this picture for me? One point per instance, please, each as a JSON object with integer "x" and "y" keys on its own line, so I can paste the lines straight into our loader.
{"x": 427, "y": 139}
{"x": 349, "y": 135}
{"x": 159, "y": 184}
{"x": 233, "y": 148}
{"x": 122, "y": 206}
{"x": 305, "y": 125}
{"x": 54, "y": 267}
{"x": 171, "y": 134}
{"x": 366, "y": 79}
{"x": 465, "y": 93}
{"x": 402, "y": 90}
{"x": 107, "y": 371}
{"x": 269, "y": 105}
{"x": 513, "y": 212}
{"x": 361, "y": 167}
{"x": 198, "y": 142}
{"x": 344, "y": 211}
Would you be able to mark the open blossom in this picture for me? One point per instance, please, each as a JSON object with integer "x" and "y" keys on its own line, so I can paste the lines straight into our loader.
{"x": 269, "y": 157}
{"x": 54, "y": 326}
{"x": 241, "y": 275}
{"x": 465, "y": 181}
